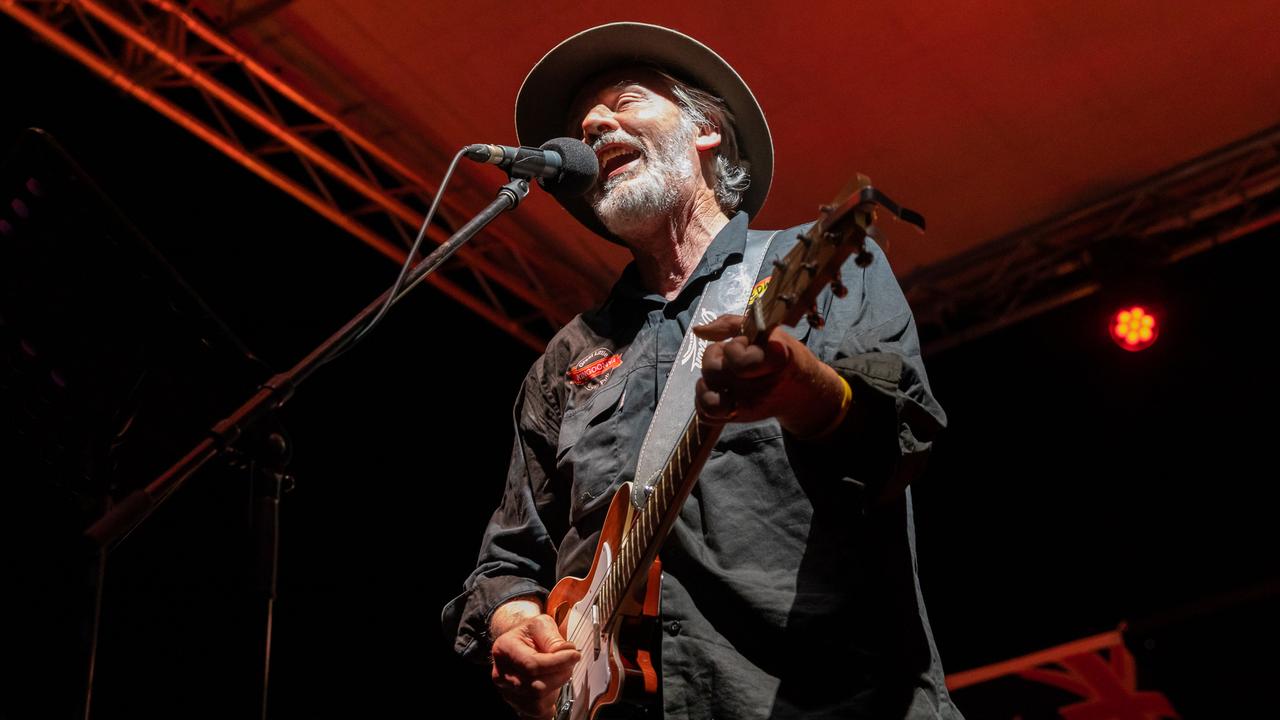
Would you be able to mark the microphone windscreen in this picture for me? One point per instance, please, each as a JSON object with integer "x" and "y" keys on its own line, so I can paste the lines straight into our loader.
{"x": 579, "y": 171}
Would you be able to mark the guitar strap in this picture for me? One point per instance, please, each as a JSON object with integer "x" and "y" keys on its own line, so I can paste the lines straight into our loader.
{"x": 726, "y": 294}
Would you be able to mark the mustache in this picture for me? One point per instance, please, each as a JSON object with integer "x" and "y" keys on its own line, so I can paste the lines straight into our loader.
{"x": 620, "y": 137}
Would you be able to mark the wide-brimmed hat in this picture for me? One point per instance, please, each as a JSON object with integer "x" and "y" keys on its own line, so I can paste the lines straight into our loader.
{"x": 542, "y": 105}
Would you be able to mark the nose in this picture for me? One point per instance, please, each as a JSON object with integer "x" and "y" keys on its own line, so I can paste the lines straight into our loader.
{"x": 598, "y": 121}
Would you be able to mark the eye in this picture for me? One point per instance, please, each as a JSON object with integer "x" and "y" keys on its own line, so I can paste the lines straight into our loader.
{"x": 626, "y": 100}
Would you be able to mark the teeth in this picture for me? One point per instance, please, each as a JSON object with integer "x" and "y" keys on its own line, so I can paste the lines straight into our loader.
{"x": 614, "y": 152}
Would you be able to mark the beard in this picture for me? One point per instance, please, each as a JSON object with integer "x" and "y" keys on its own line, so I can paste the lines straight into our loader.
{"x": 632, "y": 201}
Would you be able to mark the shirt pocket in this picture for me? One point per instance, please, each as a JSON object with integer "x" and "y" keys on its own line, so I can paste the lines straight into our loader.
{"x": 741, "y": 438}
{"x": 588, "y": 452}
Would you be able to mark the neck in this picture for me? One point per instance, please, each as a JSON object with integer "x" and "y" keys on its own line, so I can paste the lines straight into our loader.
{"x": 668, "y": 251}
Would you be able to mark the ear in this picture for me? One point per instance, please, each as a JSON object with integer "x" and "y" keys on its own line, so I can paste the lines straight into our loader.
{"x": 707, "y": 139}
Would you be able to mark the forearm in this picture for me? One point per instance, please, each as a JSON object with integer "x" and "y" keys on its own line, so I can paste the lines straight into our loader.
{"x": 829, "y": 398}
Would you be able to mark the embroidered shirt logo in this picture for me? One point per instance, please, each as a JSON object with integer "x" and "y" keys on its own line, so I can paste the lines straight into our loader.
{"x": 595, "y": 368}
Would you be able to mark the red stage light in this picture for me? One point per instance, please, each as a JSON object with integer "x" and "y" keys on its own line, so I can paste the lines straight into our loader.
{"x": 1134, "y": 328}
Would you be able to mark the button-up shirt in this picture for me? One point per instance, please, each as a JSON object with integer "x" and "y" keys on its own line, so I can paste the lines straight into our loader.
{"x": 789, "y": 585}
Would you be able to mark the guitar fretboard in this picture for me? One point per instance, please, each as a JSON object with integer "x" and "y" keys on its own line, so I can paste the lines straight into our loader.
{"x": 651, "y": 524}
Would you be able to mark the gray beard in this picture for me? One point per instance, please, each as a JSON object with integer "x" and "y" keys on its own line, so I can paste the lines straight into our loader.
{"x": 631, "y": 202}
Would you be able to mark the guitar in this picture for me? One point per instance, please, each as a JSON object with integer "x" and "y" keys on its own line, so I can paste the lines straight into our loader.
{"x": 604, "y": 612}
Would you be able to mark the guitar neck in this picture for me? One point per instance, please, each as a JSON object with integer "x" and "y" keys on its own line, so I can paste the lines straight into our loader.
{"x": 649, "y": 527}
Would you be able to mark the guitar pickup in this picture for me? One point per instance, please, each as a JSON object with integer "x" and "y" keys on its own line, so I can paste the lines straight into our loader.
{"x": 595, "y": 629}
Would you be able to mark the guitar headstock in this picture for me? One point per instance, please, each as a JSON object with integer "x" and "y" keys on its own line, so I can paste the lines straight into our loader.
{"x": 840, "y": 232}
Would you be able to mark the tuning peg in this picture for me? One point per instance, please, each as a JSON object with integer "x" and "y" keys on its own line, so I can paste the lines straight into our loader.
{"x": 780, "y": 265}
{"x": 815, "y": 319}
{"x": 838, "y": 288}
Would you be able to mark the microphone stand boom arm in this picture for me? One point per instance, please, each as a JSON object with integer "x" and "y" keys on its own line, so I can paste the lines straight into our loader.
{"x": 117, "y": 523}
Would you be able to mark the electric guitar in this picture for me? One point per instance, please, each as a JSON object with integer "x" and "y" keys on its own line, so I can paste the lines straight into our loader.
{"x": 604, "y": 613}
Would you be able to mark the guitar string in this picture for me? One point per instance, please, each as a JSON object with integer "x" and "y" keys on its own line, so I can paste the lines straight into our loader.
{"x": 679, "y": 469}
{"x": 575, "y": 632}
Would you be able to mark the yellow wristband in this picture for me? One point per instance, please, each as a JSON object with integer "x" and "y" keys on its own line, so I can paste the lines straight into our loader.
{"x": 845, "y": 401}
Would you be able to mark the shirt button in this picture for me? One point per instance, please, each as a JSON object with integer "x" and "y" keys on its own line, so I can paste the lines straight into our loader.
{"x": 673, "y": 627}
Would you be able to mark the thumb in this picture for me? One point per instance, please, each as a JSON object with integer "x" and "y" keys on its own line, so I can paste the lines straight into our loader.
{"x": 546, "y": 636}
{"x": 722, "y": 328}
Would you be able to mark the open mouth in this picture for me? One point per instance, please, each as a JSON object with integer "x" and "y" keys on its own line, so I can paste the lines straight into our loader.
{"x": 616, "y": 159}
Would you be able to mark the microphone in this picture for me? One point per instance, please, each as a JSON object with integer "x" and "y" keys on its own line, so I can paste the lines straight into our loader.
{"x": 563, "y": 166}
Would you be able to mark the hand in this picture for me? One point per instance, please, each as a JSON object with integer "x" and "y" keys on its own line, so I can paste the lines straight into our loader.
{"x": 777, "y": 378}
{"x": 531, "y": 661}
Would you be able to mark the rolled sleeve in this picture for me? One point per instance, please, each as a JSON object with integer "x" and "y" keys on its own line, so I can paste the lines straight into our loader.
{"x": 883, "y": 443}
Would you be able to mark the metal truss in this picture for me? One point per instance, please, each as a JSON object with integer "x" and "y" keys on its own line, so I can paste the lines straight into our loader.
{"x": 1227, "y": 194}
{"x": 163, "y": 54}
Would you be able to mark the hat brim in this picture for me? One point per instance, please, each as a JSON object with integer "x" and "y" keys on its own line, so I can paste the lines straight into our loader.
{"x": 542, "y": 105}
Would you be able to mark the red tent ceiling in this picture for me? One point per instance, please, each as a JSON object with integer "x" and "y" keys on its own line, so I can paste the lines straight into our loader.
{"x": 985, "y": 116}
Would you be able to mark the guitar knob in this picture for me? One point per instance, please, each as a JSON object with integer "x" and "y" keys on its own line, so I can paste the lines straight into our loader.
{"x": 816, "y": 320}
{"x": 838, "y": 287}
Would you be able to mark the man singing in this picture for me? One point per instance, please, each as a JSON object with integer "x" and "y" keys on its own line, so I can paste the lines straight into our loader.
{"x": 788, "y": 586}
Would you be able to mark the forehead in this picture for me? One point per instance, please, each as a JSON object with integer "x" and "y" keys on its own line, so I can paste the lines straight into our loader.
{"x": 602, "y": 87}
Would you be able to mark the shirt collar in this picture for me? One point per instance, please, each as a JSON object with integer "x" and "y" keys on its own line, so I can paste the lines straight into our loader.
{"x": 726, "y": 249}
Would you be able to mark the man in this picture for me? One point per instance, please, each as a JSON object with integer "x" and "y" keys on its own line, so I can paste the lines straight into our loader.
{"x": 788, "y": 585}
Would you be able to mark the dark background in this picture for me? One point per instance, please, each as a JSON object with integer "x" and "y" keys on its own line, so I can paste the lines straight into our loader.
{"x": 1077, "y": 488}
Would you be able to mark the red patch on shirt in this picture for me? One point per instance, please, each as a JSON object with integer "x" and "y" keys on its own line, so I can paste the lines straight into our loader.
{"x": 594, "y": 367}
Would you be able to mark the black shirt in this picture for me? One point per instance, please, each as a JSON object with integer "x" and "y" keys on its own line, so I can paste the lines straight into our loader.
{"x": 789, "y": 584}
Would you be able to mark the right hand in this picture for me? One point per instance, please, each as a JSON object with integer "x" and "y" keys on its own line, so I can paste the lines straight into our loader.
{"x": 531, "y": 661}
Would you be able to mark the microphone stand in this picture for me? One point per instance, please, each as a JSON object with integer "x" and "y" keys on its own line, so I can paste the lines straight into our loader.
{"x": 118, "y": 522}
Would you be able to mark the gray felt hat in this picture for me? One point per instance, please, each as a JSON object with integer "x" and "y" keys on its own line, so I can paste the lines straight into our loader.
{"x": 542, "y": 105}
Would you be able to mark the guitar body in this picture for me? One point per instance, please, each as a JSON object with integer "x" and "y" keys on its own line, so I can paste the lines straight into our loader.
{"x": 615, "y": 656}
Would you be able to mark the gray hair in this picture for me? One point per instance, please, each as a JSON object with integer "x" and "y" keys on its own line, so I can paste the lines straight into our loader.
{"x": 710, "y": 112}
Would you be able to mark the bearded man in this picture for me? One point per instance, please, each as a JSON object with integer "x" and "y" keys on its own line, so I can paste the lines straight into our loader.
{"x": 788, "y": 586}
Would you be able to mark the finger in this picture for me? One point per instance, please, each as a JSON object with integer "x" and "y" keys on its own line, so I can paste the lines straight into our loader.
{"x": 530, "y": 686}
{"x": 713, "y": 358}
{"x": 744, "y": 362}
{"x": 553, "y": 664}
{"x": 716, "y": 406}
{"x": 520, "y": 670}
{"x": 722, "y": 328}
{"x": 716, "y": 366}
{"x": 546, "y": 636}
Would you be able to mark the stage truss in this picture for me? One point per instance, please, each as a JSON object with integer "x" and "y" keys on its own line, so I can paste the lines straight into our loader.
{"x": 173, "y": 59}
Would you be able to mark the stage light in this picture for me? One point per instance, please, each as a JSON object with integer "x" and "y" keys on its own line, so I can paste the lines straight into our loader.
{"x": 1135, "y": 328}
